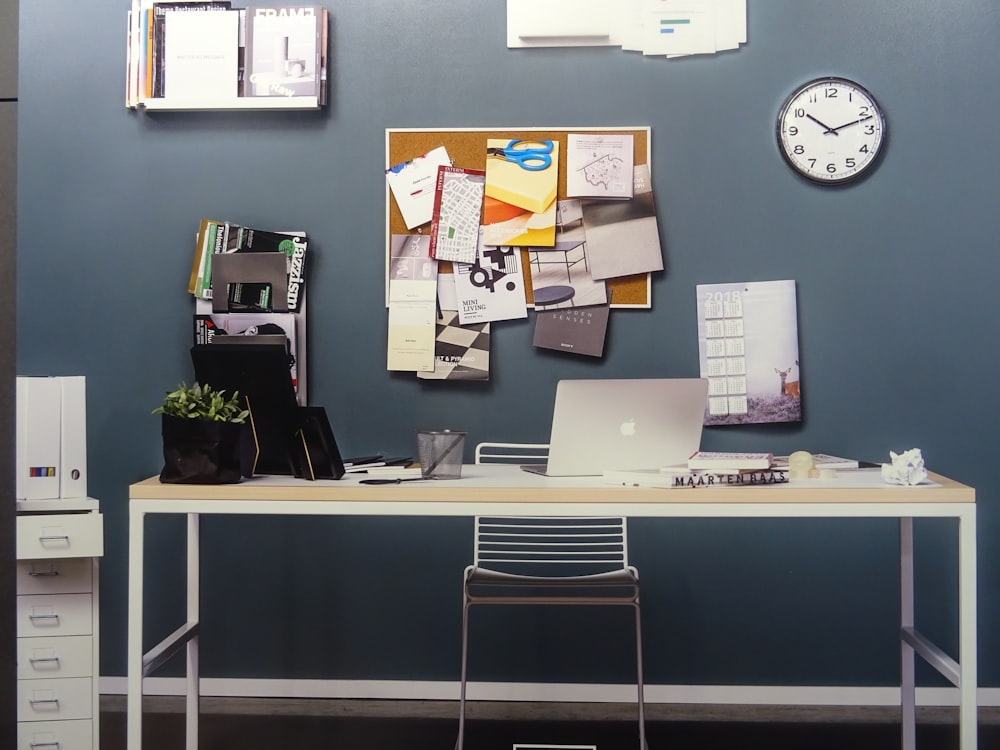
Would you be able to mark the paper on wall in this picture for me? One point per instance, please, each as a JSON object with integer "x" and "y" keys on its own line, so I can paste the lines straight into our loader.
{"x": 412, "y": 183}
{"x": 412, "y": 304}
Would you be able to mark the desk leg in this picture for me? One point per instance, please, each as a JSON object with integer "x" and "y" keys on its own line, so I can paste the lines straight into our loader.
{"x": 907, "y": 677}
{"x": 193, "y": 616}
{"x": 968, "y": 700}
{"x": 133, "y": 665}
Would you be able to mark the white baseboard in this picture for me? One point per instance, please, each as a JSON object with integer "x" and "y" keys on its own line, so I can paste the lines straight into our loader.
{"x": 816, "y": 695}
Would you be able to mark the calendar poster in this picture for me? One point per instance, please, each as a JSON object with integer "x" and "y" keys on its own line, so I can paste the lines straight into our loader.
{"x": 748, "y": 349}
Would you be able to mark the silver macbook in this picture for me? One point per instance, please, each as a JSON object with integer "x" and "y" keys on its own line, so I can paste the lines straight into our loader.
{"x": 604, "y": 425}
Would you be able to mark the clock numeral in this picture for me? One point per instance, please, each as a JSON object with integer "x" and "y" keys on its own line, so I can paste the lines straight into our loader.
{"x": 831, "y": 168}
{"x": 793, "y": 131}
{"x": 869, "y": 130}
{"x": 849, "y": 162}
{"x": 863, "y": 149}
{"x": 830, "y": 93}
{"x": 863, "y": 112}
{"x": 799, "y": 150}
{"x": 800, "y": 112}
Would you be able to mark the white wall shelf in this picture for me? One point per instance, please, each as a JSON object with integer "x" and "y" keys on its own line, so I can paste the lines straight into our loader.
{"x": 240, "y": 103}
{"x": 247, "y": 59}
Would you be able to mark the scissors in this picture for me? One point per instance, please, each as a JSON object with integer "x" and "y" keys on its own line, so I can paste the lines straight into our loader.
{"x": 531, "y": 155}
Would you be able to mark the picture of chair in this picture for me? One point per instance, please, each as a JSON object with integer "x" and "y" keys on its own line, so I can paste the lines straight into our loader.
{"x": 562, "y": 273}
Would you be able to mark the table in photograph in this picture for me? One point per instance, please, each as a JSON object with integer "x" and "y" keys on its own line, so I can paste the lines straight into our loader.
{"x": 506, "y": 490}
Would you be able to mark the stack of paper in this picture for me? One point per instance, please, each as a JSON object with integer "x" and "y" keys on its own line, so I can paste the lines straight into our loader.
{"x": 671, "y": 28}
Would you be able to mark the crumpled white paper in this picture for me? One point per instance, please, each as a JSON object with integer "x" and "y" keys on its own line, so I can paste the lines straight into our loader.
{"x": 907, "y": 468}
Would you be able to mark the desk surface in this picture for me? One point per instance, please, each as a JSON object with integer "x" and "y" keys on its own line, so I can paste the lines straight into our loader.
{"x": 509, "y": 486}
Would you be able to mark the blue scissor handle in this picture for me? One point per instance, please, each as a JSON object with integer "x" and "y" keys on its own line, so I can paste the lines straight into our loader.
{"x": 531, "y": 159}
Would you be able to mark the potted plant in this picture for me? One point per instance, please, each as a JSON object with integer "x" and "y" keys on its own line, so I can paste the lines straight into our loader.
{"x": 202, "y": 431}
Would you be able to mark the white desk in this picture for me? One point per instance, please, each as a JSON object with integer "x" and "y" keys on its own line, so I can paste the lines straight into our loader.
{"x": 507, "y": 490}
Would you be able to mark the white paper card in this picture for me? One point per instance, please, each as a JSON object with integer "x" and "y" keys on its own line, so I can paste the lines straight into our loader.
{"x": 412, "y": 184}
{"x": 492, "y": 288}
{"x": 412, "y": 305}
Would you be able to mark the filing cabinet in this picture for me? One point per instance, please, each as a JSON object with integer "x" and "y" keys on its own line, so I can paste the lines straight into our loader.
{"x": 59, "y": 543}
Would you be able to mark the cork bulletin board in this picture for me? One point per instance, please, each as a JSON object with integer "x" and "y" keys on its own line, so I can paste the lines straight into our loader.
{"x": 467, "y": 148}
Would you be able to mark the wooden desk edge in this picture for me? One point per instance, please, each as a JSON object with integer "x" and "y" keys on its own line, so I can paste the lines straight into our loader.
{"x": 949, "y": 491}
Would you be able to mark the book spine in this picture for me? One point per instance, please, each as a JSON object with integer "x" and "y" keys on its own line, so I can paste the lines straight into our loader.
{"x": 147, "y": 89}
{"x": 199, "y": 258}
{"x": 743, "y": 479}
{"x": 296, "y": 275}
{"x": 217, "y": 244}
{"x": 436, "y": 211}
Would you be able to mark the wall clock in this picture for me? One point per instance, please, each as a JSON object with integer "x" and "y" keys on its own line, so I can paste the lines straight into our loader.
{"x": 831, "y": 130}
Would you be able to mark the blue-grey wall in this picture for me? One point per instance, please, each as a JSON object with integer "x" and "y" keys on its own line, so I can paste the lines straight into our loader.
{"x": 896, "y": 283}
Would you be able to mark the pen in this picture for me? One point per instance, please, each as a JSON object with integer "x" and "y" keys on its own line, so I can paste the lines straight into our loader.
{"x": 392, "y": 481}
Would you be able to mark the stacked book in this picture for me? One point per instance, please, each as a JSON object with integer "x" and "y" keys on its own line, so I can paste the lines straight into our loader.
{"x": 728, "y": 462}
{"x": 207, "y": 51}
{"x": 704, "y": 469}
{"x": 249, "y": 287}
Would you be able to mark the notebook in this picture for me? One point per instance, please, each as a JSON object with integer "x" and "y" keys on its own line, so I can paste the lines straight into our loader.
{"x": 603, "y": 425}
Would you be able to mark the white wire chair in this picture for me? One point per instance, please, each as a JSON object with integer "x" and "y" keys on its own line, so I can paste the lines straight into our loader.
{"x": 543, "y": 560}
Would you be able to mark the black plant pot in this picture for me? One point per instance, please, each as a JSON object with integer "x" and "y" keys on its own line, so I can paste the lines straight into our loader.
{"x": 196, "y": 452}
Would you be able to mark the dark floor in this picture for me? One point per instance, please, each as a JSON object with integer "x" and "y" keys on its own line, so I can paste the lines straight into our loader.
{"x": 416, "y": 725}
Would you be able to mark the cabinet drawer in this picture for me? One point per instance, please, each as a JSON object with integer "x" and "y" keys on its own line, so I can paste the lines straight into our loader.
{"x": 49, "y": 658}
{"x": 60, "y": 535}
{"x": 50, "y": 700}
{"x": 55, "y": 614}
{"x": 67, "y": 575}
{"x": 56, "y": 735}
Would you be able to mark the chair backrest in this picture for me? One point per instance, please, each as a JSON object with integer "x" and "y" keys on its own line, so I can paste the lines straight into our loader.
{"x": 551, "y": 545}
{"x": 491, "y": 453}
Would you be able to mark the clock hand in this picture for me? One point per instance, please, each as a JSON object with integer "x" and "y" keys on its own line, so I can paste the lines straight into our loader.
{"x": 828, "y": 129}
{"x": 848, "y": 124}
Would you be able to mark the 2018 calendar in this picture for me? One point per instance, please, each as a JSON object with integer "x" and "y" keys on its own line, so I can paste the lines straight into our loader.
{"x": 748, "y": 350}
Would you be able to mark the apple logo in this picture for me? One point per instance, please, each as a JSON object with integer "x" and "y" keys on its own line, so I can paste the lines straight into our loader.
{"x": 628, "y": 428}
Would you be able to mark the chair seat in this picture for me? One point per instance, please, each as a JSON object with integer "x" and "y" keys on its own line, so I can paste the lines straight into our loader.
{"x": 553, "y": 295}
{"x": 487, "y": 577}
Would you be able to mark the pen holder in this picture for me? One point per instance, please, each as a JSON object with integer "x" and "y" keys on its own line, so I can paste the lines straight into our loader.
{"x": 441, "y": 453}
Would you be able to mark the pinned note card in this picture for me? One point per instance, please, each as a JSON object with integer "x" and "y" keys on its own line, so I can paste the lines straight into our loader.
{"x": 413, "y": 182}
{"x": 599, "y": 165}
{"x": 412, "y": 305}
{"x": 522, "y": 173}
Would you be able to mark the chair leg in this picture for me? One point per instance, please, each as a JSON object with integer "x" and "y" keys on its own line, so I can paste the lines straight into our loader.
{"x": 639, "y": 680}
{"x": 465, "y": 664}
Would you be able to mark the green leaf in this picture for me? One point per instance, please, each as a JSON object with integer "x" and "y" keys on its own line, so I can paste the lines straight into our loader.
{"x": 202, "y": 402}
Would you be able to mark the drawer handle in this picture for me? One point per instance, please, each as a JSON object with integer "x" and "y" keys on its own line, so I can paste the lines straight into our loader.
{"x": 55, "y": 538}
{"x": 43, "y": 617}
{"x": 44, "y": 659}
{"x": 54, "y": 743}
{"x": 44, "y": 701}
{"x": 43, "y": 574}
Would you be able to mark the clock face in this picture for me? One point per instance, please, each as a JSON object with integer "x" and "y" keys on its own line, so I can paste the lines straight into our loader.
{"x": 831, "y": 130}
